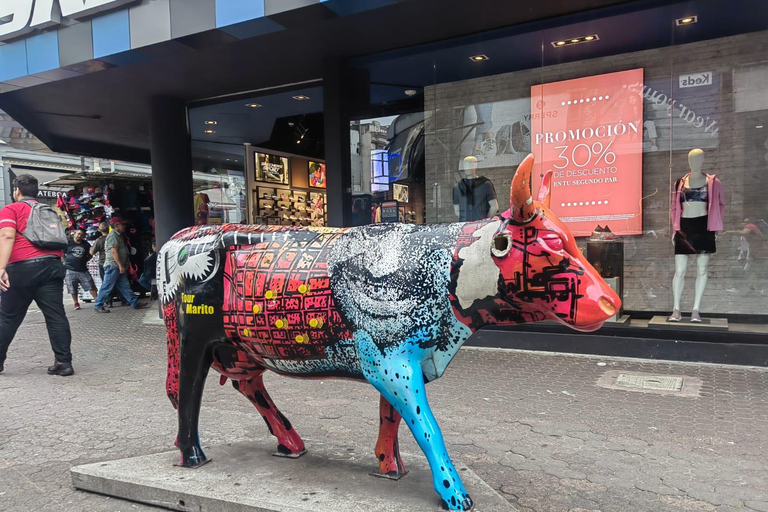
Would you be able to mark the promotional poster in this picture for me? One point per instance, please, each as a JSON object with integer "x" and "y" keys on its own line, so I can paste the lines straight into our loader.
{"x": 317, "y": 175}
{"x": 589, "y": 133}
{"x": 271, "y": 168}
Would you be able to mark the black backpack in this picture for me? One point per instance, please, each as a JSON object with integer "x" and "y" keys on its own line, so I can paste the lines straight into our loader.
{"x": 44, "y": 229}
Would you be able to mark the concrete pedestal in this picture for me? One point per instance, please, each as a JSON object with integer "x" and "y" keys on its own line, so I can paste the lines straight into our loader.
{"x": 245, "y": 477}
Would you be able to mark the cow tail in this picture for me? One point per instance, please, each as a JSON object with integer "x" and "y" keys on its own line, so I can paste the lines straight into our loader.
{"x": 172, "y": 337}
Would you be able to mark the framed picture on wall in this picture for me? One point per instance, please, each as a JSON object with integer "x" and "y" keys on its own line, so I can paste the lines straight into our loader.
{"x": 317, "y": 175}
{"x": 271, "y": 168}
{"x": 400, "y": 192}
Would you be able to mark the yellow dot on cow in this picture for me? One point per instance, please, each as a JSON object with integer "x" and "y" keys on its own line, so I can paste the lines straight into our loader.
{"x": 256, "y": 309}
{"x": 314, "y": 323}
{"x": 303, "y": 288}
{"x": 281, "y": 323}
{"x": 270, "y": 294}
{"x": 300, "y": 339}
{"x": 246, "y": 332}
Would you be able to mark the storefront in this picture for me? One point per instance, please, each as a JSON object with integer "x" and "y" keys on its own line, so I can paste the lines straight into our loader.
{"x": 426, "y": 116}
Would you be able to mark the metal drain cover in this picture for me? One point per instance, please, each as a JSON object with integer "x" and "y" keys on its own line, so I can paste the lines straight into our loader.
{"x": 654, "y": 382}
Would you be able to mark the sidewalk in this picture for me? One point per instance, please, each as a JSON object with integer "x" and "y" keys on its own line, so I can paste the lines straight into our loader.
{"x": 538, "y": 427}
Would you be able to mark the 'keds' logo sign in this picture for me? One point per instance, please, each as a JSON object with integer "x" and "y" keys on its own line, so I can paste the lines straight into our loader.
{"x": 696, "y": 79}
{"x": 17, "y": 17}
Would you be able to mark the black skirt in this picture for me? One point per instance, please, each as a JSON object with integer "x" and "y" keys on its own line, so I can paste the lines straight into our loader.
{"x": 694, "y": 237}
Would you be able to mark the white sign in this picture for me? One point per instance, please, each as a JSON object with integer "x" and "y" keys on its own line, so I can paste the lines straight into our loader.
{"x": 18, "y": 17}
{"x": 696, "y": 79}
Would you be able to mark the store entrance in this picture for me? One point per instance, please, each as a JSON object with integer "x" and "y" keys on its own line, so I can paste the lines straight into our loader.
{"x": 264, "y": 156}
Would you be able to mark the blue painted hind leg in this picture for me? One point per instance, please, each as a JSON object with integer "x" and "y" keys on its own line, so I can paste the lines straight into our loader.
{"x": 398, "y": 376}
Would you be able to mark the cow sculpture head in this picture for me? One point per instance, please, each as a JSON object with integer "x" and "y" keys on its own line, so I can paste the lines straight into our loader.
{"x": 535, "y": 271}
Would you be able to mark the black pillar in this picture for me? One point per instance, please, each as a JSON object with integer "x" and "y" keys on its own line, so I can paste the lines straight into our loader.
{"x": 336, "y": 106}
{"x": 171, "y": 155}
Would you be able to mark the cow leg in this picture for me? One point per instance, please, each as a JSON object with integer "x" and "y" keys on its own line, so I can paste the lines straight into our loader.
{"x": 196, "y": 360}
{"x": 399, "y": 378}
{"x": 289, "y": 442}
{"x": 387, "y": 448}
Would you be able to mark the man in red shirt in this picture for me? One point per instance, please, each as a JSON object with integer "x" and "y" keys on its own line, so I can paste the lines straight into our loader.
{"x": 29, "y": 273}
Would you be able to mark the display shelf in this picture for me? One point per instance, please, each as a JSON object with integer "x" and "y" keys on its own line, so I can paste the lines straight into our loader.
{"x": 289, "y": 207}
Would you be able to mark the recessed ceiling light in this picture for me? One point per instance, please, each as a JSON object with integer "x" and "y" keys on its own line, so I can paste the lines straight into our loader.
{"x": 253, "y": 105}
{"x": 759, "y": 126}
{"x": 210, "y": 132}
{"x": 301, "y": 97}
{"x": 211, "y": 123}
{"x": 410, "y": 92}
{"x": 687, "y": 20}
{"x": 478, "y": 58}
{"x": 575, "y": 40}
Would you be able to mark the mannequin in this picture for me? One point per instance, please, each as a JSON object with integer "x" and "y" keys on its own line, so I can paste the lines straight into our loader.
{"x": 474, "y": 198}
{"x": 697, "y": 211}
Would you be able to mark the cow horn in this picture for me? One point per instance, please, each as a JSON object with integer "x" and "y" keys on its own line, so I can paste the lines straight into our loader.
{"x": 545, "y": 189}
{"x": 520, "y": 197}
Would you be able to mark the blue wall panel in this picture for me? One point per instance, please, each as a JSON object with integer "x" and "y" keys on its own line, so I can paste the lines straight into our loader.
{"x": 43, "y": 52}
{"x": 111, "y": 34}
{"x": 229, "y": 12}
{"x": 13, "y": 60}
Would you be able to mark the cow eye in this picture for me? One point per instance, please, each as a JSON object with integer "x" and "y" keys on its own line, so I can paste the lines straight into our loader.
{"x": 502, "y": 243}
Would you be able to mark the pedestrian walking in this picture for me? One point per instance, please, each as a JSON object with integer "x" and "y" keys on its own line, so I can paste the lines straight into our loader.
{"x": 98, "y": 248}
{"x": 115, "y": 267}
{"x": 29, "y": 272}
{"x": 76, "y": 259}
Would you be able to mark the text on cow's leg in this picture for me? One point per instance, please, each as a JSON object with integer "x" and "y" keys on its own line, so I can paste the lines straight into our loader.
{"x": 397, "y": 375}
{"x": 289, "y": 442}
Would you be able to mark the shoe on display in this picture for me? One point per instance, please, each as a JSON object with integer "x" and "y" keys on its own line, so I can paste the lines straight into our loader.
{"x": 489, "y": 146}
{"x": 675, "y": 316}
{"x": 695, "y": 316}
{"x": 61, "y": 369}
{"x": 503, "y": 139}
{"x": 607, "y": 234}
{"x": 101, "y": 310}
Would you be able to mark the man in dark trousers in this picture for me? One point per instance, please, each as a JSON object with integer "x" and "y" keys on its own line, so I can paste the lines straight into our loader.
{"x": 115, "y": 269}
{"x": 29, "y": 273}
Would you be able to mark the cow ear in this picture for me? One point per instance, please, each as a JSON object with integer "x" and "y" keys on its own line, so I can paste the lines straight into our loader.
{"x": 545, "y": 189}
{"x": 520, "y": 197}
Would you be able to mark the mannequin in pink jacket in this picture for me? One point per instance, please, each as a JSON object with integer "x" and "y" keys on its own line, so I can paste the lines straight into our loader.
{"x": 697, "y": 209}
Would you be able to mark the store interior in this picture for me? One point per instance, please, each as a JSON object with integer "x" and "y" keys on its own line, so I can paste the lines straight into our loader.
{"x": 701, "y": 72}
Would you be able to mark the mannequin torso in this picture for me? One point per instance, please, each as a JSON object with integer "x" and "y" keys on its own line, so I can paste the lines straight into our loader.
{"x": 694, "y": 181}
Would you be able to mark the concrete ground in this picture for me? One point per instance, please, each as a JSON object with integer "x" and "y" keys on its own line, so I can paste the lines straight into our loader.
{"x": 543, "y": 429}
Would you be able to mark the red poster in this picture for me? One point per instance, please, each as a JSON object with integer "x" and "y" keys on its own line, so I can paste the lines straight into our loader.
{"x": 589, "y": 133}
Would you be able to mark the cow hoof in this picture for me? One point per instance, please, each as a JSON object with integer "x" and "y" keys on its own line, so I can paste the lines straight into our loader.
{"x": 282, "y": 451}
{"x": 467, "y": 504}
{"x": 193, "y": 458}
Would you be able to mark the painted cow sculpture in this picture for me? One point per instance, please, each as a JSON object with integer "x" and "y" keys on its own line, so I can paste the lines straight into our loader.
{"x": 389, "y": 304}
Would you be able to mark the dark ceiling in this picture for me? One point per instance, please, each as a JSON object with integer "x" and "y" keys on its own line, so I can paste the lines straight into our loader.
{"x": 106, "y": 113}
